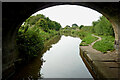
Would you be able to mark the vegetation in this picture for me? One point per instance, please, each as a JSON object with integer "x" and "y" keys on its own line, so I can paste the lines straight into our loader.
{"x": 106, "y": 44}
{"x": 86, "y": 37}
{"x": 29, "y": 43}
{"x": 81, "y": 26}
{"x": 102, "y": 28}
{"x": 43, "y": 22}
{"x": 38, "y": 29}
{"x": 32, "y": 35}
{"x": 88, "y": 40}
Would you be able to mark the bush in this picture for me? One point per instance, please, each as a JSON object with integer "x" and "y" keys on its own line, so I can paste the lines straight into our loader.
{"x": 103, "y": 27}
{"x": 106, "y": 44}
{"x": 32, "y": 35}
{"x": 29, "y": 44}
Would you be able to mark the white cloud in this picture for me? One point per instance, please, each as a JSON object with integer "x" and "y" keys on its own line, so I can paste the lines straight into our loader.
{"x": 70, "y": 14}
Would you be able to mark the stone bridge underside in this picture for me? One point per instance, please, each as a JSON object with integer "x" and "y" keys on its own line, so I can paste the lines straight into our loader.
{"x": 14, "y": 14}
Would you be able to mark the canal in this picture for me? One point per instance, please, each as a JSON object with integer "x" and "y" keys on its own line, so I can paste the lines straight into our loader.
{"x": 61, "y": 59}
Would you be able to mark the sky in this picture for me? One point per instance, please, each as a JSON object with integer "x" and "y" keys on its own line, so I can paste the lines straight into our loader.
{"x": 70, "y": 14}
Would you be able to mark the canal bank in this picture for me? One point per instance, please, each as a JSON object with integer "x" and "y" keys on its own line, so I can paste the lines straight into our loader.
{"x": 32, "y": 69}
{"x": 102, "y": 66}
{"x": 59, "y": 59}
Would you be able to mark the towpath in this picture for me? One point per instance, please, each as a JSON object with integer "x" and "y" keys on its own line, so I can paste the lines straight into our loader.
{"x": 106, "y": 64}
{"x": 99, "y": 38}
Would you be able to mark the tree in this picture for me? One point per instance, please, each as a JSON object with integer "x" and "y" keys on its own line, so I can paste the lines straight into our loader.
{"x": 43, "y": 24}
{"x": 57, "y": 26}
{"x": 81, "y": 26}
{"x": 33, "y": 19}
{"x": 67, "y": 26}
{"x": 94, "y": 23}
{"x": 74, "y": 26}
{"x": 103, "y": 27}
{"x": 40, "y": 20}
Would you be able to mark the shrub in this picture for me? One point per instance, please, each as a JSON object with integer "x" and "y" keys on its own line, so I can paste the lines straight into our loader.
{"x": 106, "y": 44}
{"x": 103, "y": 27}
{"x": 29, "y": 44}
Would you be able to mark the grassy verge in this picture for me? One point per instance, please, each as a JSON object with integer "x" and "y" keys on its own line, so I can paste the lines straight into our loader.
{"x": 106, "y": 44}
{"x": 88, "y": 40}
{"x": 86, "y": 37}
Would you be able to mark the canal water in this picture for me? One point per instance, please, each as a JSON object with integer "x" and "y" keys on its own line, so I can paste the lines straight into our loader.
{"x": 59, "y": 59}
{"x": 63, "y": 60}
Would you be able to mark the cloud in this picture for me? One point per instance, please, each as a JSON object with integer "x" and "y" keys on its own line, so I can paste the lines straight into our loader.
{"x": 70, "y": 14}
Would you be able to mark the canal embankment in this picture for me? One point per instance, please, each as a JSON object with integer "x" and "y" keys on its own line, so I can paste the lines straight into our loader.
{"x": 59, "y": 59}
{"x": 102, "y": 66}
{"x": 25, "y": 71}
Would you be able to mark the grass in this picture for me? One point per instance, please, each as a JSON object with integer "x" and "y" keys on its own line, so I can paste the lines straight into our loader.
{"x": 106, "y": 44}
{"x": 86, "y": 37}
{"x": 88, "y": 40}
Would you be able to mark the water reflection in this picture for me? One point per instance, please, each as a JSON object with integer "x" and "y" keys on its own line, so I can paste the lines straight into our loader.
{"x": 57, "y": 60}
{"x": 32, "y": 69}
{"x": 63, "y": 60}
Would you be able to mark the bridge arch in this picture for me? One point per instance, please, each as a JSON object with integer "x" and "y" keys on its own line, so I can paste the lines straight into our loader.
{"x": 14, "y": 14}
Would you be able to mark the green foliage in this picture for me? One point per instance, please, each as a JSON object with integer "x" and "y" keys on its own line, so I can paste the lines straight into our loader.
{"x": 94, "y": 23}
{"x": 33, "y": 34}
{"x": 29, "y": 43}
{"x": 81, "y": 26}
{"x": 43, "y": 24}
{"x": 33, "y": 19}
{"x": 56, "y": 25}
{"x": 53, "y": 24}
{"x": 106, "y": 44}
{"x": 67, "y": 27}
{"x": 88, "y": 39}
{"x": 103, "y": 27}
{"x": 87, "y": 28}
{"x": 80, "y": 33}
{"x": 74, "y": 26}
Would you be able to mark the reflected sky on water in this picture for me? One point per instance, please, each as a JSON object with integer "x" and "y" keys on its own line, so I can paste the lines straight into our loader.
{"x": 63, "y": 60}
